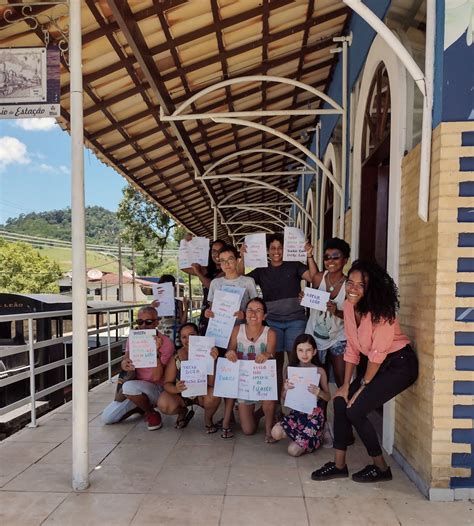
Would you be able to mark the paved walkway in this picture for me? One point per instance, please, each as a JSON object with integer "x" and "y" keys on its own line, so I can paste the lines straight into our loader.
{"x": 163, "y": 477}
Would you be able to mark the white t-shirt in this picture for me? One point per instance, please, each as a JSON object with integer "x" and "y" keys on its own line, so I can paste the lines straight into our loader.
{"x": 243, "y": 282}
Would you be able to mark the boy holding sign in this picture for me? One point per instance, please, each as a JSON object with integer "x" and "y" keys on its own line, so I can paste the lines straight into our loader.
{"x": 304, "y": 429}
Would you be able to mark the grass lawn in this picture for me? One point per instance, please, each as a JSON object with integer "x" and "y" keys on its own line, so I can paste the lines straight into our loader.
{"x": 94, "y": 260}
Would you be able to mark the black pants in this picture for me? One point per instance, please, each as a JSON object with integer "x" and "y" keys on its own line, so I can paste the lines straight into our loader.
{"x": 398, "y": 371}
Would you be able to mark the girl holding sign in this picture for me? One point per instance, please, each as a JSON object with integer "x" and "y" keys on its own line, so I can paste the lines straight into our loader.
{"x": 372, "y": 330}
{"x": 304, "y": 430}
{"x": 173, "y": 400}
{"x": 251, "y": 341}
{"x": 328, "y": 327}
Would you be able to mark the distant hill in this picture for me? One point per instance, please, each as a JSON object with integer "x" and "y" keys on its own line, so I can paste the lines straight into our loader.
{"x": 102, "y": 225}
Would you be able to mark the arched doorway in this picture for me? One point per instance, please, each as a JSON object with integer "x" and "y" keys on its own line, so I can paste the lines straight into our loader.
{"x": 375, "y": 160}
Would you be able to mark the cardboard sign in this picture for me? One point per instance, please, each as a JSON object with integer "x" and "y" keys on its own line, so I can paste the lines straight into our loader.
{"x": 200, "y": 349}
{"x": 315, "y": 299}
{"x": 227, "y": 378}
{"x": 256, "y": 254}
{"x": 299, "y": 397}
{"x": 164, "y": 293}
{"x": 194, "y": 375}
{"x": 142, "y": 348}
{"x": 224, "y": 306}
{"x": 293, "y": 245}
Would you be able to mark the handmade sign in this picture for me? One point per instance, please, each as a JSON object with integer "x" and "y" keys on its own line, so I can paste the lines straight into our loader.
{"x": 142, "y": 348}
{"x": 227, "y": 378}
{"x": 299, "y": 397}
{"x": 256, "y": 254}
{"x": 164, "y": 293}
{"x": 246, "y": 380}
{"x": 194, "y": 251}
{"x": 224, "y": 306}
{"x": 293, "y": 245}
{"x": 194, "y": 375}
{"x": 200, "y": 349}
{"x": 315, "y": 299}
{"x": 264, "y": 381}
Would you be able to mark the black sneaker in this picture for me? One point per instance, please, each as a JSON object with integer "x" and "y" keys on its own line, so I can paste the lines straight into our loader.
{"x": 372, "y": 473}
{"x": 330, "y": 471}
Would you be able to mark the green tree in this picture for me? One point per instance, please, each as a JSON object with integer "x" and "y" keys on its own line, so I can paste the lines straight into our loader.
{"x": 146, "y": 227}
{"x": 24, "y": 270}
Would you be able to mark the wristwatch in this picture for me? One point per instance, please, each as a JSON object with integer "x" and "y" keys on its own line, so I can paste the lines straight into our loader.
{"x": 364, "y": 382}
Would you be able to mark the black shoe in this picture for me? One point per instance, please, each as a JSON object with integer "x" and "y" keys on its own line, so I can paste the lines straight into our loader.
{"x": 330, "y": 471}
{"x": 372, "y": 473}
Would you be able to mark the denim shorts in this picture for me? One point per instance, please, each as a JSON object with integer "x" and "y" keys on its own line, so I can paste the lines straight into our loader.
{"x": 338, "y": 349}
{"x": 286, "y": 332}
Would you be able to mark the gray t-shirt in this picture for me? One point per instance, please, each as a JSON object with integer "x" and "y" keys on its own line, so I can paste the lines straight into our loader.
{"x": 244, "y": 282}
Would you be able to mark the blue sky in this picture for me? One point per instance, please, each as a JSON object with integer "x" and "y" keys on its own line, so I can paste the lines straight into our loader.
{"x": 35, "y": 170}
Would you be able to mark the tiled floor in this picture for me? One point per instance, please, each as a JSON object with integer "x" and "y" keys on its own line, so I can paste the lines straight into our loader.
{"x": 140, "y": 477}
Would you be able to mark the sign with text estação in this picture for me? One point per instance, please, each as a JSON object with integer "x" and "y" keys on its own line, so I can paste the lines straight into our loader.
{"x": 142, "y": 348}
{"x": 30, "y": 85}
{"x": 293, "y": 245}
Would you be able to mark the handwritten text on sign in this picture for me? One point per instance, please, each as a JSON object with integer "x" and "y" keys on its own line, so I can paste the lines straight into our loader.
{"x": 194, "y": 375}
{"x": 293, "y": 245}
{"x": 315, "y": 299}
{"x": 194, "y": 251}
{"x": 299, "y": 397}
{"x": 224, "y": 306}
{"x": 200, "y": 349}
{"x": 164, "y": 293}
{"x": 256, "y": 254}
{"x": 142, "y": 348}
{"x": 227, "y": 378}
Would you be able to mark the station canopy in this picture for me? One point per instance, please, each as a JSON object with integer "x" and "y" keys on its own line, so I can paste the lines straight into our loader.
{"x": 140, "y": 57}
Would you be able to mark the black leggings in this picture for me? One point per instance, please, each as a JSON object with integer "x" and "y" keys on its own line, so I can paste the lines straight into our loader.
{"x": 398, "y": 371}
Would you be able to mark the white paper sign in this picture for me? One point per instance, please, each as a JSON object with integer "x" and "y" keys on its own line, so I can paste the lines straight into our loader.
{"x": 293, "y": 245}
{"x": 234, "y": 290}
{"x": 226, "y": 383}
{"x": 256, "y": 254}
{"x": 299, "y": 397}
{"x": 224, "y": 306}
{"x": 194, "y": 375}
{"x": 315, "y": 299}
{"x": 200, "y": 349}
{"x": 142, "y": 348}
{"x": 164, "y": 293}
{"x": 194, "y": 251}
{"x": 264, "y": 381}
{"x": 245, "y": 379}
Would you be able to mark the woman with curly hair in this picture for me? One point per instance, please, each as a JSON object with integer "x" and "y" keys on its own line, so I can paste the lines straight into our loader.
{"x": 372, "y": 330}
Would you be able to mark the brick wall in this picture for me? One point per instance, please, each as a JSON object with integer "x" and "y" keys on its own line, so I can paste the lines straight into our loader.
{"x": 429, "y": 433}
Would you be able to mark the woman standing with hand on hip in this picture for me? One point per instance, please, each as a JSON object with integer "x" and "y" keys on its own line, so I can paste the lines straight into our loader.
{"x": 372, "y": 330}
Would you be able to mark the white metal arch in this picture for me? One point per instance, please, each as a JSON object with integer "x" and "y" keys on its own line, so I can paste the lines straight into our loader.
{"x": 250, "y": 151}
{"x": 257, "y": 226}
{"x": 336, "y": 108}
{"x": 275, "y": 218}
{"x": 309, "y": 229}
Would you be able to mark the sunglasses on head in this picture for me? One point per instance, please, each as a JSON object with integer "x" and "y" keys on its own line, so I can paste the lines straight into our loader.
{"x": 145, "y": 322}
{"x": 328, "y": 257}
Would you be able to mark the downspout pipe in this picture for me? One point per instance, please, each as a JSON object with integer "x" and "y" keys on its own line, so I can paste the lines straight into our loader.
{"x": 423, "y": 81}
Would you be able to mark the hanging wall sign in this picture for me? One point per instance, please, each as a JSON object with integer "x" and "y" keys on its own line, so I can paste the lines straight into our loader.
{"x": 29, "y": 82}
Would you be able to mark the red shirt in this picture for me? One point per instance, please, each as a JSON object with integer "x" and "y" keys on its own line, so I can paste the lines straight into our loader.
{"x": 374, "y": 340}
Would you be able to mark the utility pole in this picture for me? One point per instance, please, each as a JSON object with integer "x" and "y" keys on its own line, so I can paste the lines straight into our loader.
{"x": 120, "y": 270}
{"x": 134, "y": 293}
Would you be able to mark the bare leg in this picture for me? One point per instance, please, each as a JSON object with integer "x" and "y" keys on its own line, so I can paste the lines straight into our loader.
{"x": 379, "y": 461}
{"x": 228, "y": 412}
{"x": 268, "y": 407}
{"x": 338, "y": 366}
{"x": 171, "y": 404}
{"x": 277, "y": 432}
{"x": 142, "y": 402}
{"x": 295, "y": 450}
{"x": 340, "y": 458}
{"x": 210, "y": 403}
{"x": 247, "y": 418}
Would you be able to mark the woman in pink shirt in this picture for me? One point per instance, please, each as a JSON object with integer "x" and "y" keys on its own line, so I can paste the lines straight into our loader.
{"x": 372, "y": 330}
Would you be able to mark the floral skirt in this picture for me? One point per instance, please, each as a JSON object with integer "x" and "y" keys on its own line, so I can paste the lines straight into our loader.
{"x": 305, "y": 430}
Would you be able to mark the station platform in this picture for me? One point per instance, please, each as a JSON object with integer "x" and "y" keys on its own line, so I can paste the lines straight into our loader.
{"x": 180, "y": 477}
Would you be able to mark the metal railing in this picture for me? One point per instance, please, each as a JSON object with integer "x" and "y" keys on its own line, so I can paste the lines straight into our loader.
{"x": 31, "y": 370}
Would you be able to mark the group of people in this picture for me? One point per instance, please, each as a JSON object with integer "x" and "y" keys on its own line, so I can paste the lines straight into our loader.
{"x": 357, "y": 339}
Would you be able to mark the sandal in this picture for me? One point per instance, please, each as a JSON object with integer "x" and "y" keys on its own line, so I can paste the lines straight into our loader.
{"x": 211, "y": 429}
{"x": 270, "y": 440}
{"x": 182, "y": 422}
{"x": 227, "y": 433}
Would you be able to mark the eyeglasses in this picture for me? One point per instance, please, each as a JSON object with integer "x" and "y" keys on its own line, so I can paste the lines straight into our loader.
{"x": 255, "y": 311}
{"x": 225, "y": 261}
{"x": 328, "y": 257}
{"x": 146, "y": 322}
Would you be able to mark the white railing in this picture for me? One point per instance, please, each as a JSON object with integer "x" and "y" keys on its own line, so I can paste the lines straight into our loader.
{"x": 31, "y": 370}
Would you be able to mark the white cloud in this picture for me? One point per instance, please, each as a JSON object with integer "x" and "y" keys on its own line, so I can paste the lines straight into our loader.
{"x": 43, "y": 167}
{"x": 36, "y": 124}
{"x": 64, "y": 169}
{"x": 12, "y": 151}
